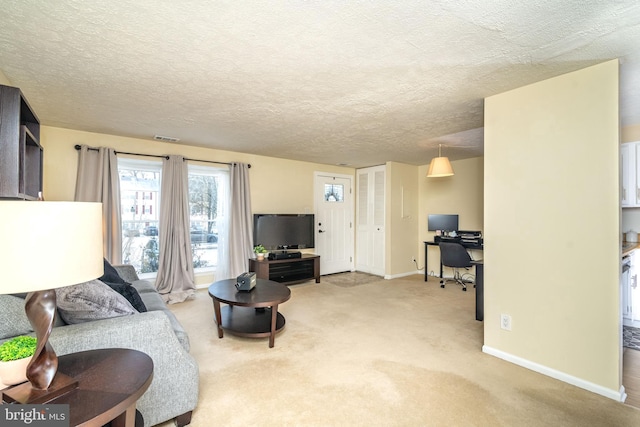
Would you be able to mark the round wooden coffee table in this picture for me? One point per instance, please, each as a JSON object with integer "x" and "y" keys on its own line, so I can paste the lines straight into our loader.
{"x": 249, "y": 314}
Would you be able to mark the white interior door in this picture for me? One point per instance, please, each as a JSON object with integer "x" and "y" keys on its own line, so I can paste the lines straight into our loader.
{"x": 334, "y": 222}
{"x": 370, "y": 221}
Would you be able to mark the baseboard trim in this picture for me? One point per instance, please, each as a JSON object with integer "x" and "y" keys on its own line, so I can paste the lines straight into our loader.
{"x": 619, "y": 395}
{"x": 397, "y": 276}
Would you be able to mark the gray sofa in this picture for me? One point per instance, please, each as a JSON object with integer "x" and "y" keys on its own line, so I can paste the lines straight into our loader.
{"x": 173, "y": 393}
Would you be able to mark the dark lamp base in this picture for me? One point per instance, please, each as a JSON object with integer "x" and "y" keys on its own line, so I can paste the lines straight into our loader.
{"x": 25, "y": 393}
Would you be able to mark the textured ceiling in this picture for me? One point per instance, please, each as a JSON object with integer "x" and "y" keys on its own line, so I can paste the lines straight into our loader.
{"x": 335, "y": 82}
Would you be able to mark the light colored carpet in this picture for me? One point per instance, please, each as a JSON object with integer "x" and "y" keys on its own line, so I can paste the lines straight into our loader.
{"x": 350, "y": 279}
{"x": 396, "y": 352}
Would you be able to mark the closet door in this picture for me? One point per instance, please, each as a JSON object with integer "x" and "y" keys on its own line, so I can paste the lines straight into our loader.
{"x": 628, "y": 181}
{"x": 370, "y": 220}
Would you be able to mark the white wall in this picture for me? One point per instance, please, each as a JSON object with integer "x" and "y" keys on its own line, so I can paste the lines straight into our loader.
{"x": 552, "y": 224}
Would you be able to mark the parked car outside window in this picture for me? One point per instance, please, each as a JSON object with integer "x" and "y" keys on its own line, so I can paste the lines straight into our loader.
{"x": 199, "y": 235}
{"x": 151, "y": 230}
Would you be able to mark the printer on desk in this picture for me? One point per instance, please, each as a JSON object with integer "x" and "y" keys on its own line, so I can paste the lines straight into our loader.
{"x": 472, "y": 237}
{"x": 462, "y": 236}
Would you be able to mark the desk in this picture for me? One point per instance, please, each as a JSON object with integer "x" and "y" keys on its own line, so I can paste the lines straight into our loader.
{"x": 479, "y": 289}
{"x": 479, "y": 282}
{"x": 471, "y": 246}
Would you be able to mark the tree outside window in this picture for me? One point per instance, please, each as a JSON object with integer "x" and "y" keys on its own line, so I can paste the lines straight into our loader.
{"x": 205, "y": 208}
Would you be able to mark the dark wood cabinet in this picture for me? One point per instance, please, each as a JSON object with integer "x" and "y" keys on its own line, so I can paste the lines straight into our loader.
{"x": 288, "y": 271}
{"x": 21, "y": 155}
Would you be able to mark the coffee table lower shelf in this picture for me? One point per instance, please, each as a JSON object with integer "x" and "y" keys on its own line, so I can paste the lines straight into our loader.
{"x": 249, "y": 322}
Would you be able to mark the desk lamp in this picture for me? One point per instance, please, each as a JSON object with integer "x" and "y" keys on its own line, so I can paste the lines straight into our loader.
{"x": 439, "y": 166}
{"x": 46, "y": 245}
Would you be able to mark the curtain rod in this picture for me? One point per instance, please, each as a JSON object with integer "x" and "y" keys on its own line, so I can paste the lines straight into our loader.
{"x": 77, "y": 147}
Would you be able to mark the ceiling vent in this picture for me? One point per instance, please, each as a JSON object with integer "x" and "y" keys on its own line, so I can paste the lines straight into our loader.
{"x": 165, "y": 138}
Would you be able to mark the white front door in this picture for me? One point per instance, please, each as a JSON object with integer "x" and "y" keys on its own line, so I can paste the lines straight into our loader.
{"x": 334, "y": 222}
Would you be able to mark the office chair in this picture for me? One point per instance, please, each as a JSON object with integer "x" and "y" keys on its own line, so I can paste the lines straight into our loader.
{"x": 455, "y": 256}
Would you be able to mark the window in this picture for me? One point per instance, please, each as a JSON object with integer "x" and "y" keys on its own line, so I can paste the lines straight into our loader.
{"x": 207, "y": 195}
{"x": 334, "y": 192}
{"x": 139, "y": 204}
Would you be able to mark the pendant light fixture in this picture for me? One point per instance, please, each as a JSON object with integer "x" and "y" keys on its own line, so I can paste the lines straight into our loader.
{"x": 439, "y": 166}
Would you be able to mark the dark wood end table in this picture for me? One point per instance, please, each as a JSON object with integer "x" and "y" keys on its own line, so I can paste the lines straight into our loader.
{"x": 110, "y": 381}
{"x": 249, "y": 314}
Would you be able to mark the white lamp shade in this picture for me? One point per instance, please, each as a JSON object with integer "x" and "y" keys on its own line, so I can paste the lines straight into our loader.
{"x": 48, "y": 245}
{"x": 439, "y": 167}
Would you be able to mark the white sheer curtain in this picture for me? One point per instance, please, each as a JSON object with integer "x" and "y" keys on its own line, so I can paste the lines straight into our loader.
{"x": 222, "y": 222}
{"x": 97, "y": 181}
{"x": 175, "y": 280}
{"x": 240, "y": 221}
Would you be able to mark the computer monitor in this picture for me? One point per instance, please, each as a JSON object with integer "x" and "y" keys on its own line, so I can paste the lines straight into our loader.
{"x": 442, "y": 222}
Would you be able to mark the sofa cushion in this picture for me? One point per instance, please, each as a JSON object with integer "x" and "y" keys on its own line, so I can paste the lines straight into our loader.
{"x": 154, "y": 302}
{"x": 130, "y": 293}
{"x": 112, "y": 279}
{"x": 90, "y": 301}
{"x": 13, "y": 319}
{"x": 111, "y": 275}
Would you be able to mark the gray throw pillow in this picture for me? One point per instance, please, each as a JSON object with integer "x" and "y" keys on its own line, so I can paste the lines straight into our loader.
{"x": 13, "y": 319}
{"x": 90, "y": 301}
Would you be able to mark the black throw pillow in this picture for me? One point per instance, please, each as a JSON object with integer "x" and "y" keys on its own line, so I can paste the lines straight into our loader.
{"x": 130, "y": 293}
{"x": 111, "y": 275}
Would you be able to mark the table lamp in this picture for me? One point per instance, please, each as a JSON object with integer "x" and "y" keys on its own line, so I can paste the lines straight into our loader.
{"x": 46, "y": 245}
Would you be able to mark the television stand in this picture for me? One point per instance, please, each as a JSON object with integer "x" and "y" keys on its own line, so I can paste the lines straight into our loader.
{"x": 284, "y": 255}
{"x": 287, "y": 271}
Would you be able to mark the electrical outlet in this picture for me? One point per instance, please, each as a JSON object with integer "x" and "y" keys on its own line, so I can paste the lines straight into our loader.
{"x": 505, "y": 322}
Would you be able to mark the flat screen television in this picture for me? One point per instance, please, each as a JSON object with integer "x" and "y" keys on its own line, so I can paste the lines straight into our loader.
{"x": 442, "y": 222}
{"x": 283, "y": 231}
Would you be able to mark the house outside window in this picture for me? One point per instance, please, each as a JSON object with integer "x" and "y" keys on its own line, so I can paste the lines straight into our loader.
{"x": 140, "y": 205}
{"x": 140, "y": 209}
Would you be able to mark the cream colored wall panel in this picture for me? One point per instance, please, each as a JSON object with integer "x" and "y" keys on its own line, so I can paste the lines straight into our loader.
{"x": 4, "y": 80}
{"x": 404, "y": 216}
{"x": 552, "y": 209}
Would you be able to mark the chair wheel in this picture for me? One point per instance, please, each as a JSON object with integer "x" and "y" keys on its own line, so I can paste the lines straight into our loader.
{"x": 442, "y": 286}
{"x": 464, "y": 289}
